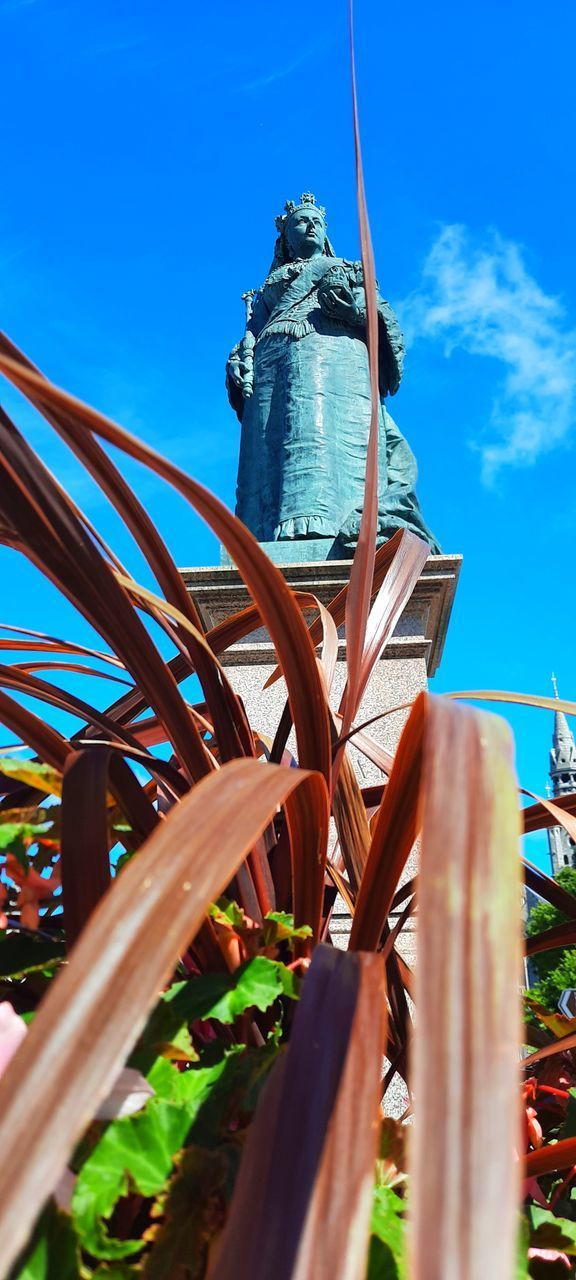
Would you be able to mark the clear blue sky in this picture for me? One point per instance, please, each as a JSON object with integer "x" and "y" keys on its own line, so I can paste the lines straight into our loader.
{"x": 145, "y": 151}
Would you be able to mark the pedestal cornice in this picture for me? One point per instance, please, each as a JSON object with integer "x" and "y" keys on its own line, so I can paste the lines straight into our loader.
{"x": 218, "y": 592}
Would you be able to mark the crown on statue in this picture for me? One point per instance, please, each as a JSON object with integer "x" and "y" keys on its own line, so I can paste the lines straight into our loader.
{"x": 306, "y": 200}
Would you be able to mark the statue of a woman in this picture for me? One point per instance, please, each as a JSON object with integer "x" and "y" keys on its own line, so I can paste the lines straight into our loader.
{"x": 300, "y": 386}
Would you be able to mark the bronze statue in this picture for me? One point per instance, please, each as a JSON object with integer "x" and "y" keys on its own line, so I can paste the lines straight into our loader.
{"x": 299, "y": 383}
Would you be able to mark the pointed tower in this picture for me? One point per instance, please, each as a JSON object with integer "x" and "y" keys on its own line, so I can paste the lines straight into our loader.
{"x": 563, "y": 779}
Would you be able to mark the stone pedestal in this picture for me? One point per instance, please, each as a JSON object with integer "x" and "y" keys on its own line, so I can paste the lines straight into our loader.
{"x": 411, "y": 657}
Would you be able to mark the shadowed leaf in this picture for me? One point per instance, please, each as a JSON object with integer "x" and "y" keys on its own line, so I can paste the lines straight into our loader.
{"x": 566, "y": 1041}
{"x": 191, "y": 1210}
{"x": 42, "y": 777}
{"x": 24, "y": 953}
{"x": 53, "y": 1252}
{"x": 308, "y": 1166}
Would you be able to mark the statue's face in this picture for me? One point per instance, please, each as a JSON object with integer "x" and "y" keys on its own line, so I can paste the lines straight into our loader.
{"x": 305, "y": 232}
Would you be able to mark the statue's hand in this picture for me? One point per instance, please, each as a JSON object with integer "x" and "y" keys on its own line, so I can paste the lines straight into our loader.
{"x": 338, "y": 300}
{"x": 237, "y": 371}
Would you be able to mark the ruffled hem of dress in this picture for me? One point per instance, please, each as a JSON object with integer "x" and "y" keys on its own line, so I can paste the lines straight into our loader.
{"x": 305, "y": 527}
{"x": 348, "y": 536}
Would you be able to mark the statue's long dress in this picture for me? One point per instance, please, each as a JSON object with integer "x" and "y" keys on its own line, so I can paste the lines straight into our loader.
{"x": 305, "y": 427}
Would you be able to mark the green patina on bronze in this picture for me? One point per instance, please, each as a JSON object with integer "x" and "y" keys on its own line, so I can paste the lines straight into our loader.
{"x": 299, "y": 383}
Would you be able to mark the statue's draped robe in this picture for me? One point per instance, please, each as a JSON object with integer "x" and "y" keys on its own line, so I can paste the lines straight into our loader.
{"x": 305, "y": 427}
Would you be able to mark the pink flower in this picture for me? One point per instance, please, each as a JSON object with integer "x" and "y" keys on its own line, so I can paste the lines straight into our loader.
{"x": 3, "y": 897}
{"x": 550, "y": 1255}
{"x": 129, "y": 1093}
{"x": 12, "y": 1032}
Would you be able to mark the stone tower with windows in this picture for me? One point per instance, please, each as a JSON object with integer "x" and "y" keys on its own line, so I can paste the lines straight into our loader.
{"x": 563, "y": 779}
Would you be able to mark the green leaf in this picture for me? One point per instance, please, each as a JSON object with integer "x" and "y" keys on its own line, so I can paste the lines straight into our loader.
{"x": 222, "y": 996}
{"x": 382, "y": 1265}
{"x": 53, "y": 1252}
{"x": 13, "y": 832}
{"x": 228, "y": 912}
{"x": 40, "y": 776}
{"x": 22, "y": 953}
{"x": 386, "y": 1259}
{"x": 124, "y": 858}
{"x": 279, "y": 926}
{"x": 549, "y": 1232}
{"x": 137, "y": 1152}
{"x": 522, "y": 1251}
{"x": 255, "y": 985}
{"x": 192, "y": 1213}
{"x": 19, "y": 850}
{"x": 234, "y": 1096}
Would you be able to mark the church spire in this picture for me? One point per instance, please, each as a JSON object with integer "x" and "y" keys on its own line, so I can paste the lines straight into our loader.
{"x": 563, "y": 781}
{"x": 563, "y": 753}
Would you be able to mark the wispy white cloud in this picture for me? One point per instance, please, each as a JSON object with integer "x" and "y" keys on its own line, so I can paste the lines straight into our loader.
{"x": 480, "y": 297}
{"x": 285, "y": 69}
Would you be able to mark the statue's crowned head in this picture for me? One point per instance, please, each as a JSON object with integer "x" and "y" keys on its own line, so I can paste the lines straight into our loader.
{"x": 301, "y": 231}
